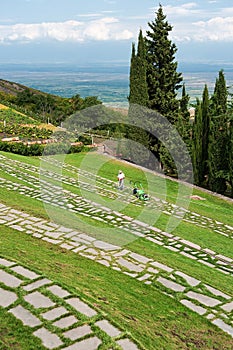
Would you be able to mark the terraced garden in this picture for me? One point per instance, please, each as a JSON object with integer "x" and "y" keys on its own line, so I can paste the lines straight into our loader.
{"x": 85, "y": 266}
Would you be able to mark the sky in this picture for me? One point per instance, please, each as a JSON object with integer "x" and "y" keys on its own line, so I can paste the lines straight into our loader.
{"x": 87, "y": 31}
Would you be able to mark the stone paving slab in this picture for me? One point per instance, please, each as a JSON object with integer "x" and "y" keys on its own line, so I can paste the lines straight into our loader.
{"x": 49, "y": 340}
{"x": 78, "y": 332}
{"x": 9, "y": 280}
{"x": 161, "y": 266}
{"x": 5, "y": 262}
{"x": 126, "y": 344}
{"x": 225, "y": 327}
{"x": 129, "y": 265}
{"x": 35, "y": 285}
{"x": 58, "y": 291}
{"x": 87, "y": 344}
{"x": 65, "y": 322}
{"x": 25, "y": 272}
{"x": 191, "y": 281}
{"x": 217, "y": 292}
{"x": 7, "y": 298}
{"x": 38, "y": 300}
{"x": 171, "y": 285}
{"x": 25, "y": 316}
{"x": 228, "y": 307}
{"x": 81, "y": 307}
{"x": 203, "y": 299}
{"x": 198, "y": 309}
{"x": 54, "y": 313}
{"x": 108, "y": 328}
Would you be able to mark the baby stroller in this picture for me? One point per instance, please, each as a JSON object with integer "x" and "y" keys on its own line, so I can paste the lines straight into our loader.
{"x": 139, "y": 192}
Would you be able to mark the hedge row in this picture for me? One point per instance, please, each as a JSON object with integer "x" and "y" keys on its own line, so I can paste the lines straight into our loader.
{"x": 39, "y": 150}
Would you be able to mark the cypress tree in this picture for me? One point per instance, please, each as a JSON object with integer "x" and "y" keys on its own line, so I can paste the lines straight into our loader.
{"x": 230, "y": 174}
{"x": 133, "y": 77}
{"x": 197, "y": 145}
{"x": 184, "y": 103}
{"x": 162, "y": 77}
{"x": 138, "y": 84}
{"x": 183, "y": 124}
{"x": 219, "y": 98}
{"x": 200, "y": 139}
{"x": 205, "y": 132}
{"x": 138, "y": 97}
{"x": 218, "y": 150}
{"x": 218, "y": 155}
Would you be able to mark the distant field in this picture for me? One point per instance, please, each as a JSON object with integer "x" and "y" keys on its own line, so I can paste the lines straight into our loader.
{"x": 163, "y": 288}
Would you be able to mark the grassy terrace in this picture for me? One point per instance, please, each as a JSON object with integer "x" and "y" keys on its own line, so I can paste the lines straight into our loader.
{"x": 151, "y": 318}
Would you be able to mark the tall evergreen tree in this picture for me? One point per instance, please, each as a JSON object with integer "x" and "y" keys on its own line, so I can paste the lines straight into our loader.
{"x": 162, "y": 77}
{"x": 230, "y": 174}
{"x": 219, "y": 98}
{"x": 200, "y": 138}
{"x": 138, "y": 84}
{"x": 218, "y": 155}
{"x": 205, "y": 127}
{"x": 138, "y": 96}
{"x": 183, "y": 124}
{"x": 197, "y": 152}
{"x": 218, "y": 150}
{"x": 184, "y": 101}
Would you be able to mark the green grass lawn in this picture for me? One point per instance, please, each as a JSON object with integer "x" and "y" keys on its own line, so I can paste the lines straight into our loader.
{"x": 153, "y": 319}
{"x": 158, "y": 322}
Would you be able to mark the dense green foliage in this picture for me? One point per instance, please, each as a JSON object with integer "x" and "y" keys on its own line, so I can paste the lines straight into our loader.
{"x": 138, "y": 69}
{"x": 211, "y": 139}
{"x": 154, "y": 80}
{"x": 154, "y": 84}
{"x": 39, "y": 150}
{"x": 201, "y": 138}
{"x": 10, "y": 116}
{"x": 208, "y": 138}
{"x": 46, "y": 107}
{"x": 218, "y": 155}
{"x": 162, "y": 76}
{"x": 25, "y": 132}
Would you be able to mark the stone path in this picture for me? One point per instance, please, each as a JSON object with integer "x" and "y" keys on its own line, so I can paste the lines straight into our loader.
{"x": 203, "y": 299}
{"x": 56, "y": 316}
{"x": 77, "y": 204}
{"x": 107, "y": 188}
{"x": 154, "y": 203}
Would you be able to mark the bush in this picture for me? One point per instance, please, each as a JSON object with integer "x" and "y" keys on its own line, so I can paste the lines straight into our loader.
{"x": 20, "y": 148}
{"x": 39, "y": 150}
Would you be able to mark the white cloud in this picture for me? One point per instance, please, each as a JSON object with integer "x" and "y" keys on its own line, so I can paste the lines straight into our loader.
{"x": 125, "y": 35}
{"x": 192, "y": 23}
{"x": 226, "y": 12}
{"x": 91, "y": 15}
{"x": 106, "y": 28}
{"x": 215, "y": 29}
{"x": 186, "y": 9}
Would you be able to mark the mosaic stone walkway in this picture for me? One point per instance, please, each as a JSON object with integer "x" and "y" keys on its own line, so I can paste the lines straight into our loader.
{"x": 108, "y": 188}
{"x": 67, "y": 200}
{"x": 154, "y": 203}
{"x": 56, "y": 316}
{"x": 206, "y": 300}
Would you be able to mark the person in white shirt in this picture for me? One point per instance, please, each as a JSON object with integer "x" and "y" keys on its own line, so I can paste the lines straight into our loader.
{"x": 121, "y": 177}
